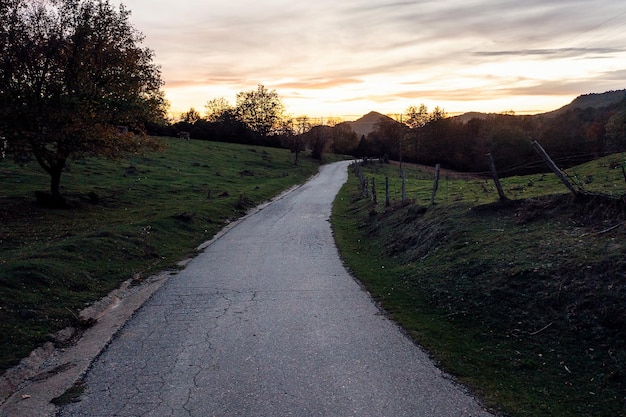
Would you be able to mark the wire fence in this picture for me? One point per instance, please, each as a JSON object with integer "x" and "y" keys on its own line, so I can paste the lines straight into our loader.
{"x": 397, "y": 185}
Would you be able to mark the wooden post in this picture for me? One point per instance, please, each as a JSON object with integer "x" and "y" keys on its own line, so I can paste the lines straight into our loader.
{"x": 403, "y": 185}
{"x": 374, "y": 197}
{"x": 546, "y": 158}
{"x": 387, "y": 202}
{"x": 436, "y": 186}
{"x": 362, "y": 183}
{"x": 496, "y": 180}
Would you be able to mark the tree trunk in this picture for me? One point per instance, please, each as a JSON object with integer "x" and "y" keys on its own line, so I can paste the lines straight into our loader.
{"x": 55, "y": 184}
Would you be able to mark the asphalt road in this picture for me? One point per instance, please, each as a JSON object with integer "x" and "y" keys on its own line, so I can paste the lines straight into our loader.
{"x": 267, "y": 322}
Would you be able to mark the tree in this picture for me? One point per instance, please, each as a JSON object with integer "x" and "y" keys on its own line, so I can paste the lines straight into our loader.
{"x": 345, "y": 140}
{"x": 393, "y": 135}
{"x": 416, "y": 117}
{"x": 319, "y": 138}
{"x": 437, "y": 114}
{"x": 74, "y": 83}
{"x": 217, "y": 109}
{"x": 616, "y": 132}
{"x": 261, "y": 110}
{"x": 191, "y": 116}
{"x": 292, "y": 130}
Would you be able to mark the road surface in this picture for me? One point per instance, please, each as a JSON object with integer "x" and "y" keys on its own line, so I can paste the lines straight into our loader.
{"x": 267, "y": 322}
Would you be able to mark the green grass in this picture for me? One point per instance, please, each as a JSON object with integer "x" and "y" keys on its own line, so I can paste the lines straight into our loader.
{"x": 125, "y": 219}
{"x": 601, "y": 176}
{"x": 524, "y": 302}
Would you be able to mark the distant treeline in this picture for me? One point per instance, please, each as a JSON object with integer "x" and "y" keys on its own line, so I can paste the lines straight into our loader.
{"x": 572, "y": 136}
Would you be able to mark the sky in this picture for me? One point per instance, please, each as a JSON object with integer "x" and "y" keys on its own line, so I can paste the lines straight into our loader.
{"x": 344, "y": 58}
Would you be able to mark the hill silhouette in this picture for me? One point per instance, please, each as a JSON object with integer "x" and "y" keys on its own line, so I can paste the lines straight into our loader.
{"x": 593, "y": 100}
{"x": 366, "y": 124}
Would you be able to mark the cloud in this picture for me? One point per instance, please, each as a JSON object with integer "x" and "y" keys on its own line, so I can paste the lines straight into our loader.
{"x": 358, "y": 50}
{"x": 318, "y": 84}
{"x": 552, "y": 52}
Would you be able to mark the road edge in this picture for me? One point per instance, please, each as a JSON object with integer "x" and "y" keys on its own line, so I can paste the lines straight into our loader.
{"x": 28, "y": 389}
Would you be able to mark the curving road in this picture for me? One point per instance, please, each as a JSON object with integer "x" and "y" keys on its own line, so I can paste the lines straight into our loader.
{"x": 267, "y": 322}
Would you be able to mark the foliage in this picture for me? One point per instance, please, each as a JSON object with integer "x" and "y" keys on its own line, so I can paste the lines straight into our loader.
{"x": 261, "y": 110}
{"x": 291, "y": 132}
{"x": 71, "y": 73}
{"x": 125, "y": 219}
{"x": 191, "y": 116}
{"x": 218, "y": 109}
{"x": 416, "y": 116}
{"x": 319, "y": 138}
{"x": 344, "y": 139}
{"x": 616, "y": 131}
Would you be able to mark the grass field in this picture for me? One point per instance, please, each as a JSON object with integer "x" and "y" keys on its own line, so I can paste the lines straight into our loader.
{"x": 525, "y": 302}
{"x": 126, "y": 219}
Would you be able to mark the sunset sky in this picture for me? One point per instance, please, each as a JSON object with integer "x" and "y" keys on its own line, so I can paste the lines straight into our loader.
{"x": 344, "y": 58}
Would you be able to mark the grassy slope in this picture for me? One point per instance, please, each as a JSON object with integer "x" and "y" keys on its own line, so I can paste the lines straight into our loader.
{"x": 525, "y": 302}
{"x": 126, "y": 218}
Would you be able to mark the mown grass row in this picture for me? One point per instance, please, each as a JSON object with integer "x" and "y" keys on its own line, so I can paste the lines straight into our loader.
{"x": 125, "y": 219}
{"x": 524, "y": 302}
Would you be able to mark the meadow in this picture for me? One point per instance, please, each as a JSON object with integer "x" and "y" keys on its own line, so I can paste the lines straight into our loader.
{"x": 523, "y": 301}
{"x": 125, "y": 220}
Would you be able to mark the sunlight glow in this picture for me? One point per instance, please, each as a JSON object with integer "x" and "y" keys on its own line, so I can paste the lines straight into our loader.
{"x": 347, "y": 59}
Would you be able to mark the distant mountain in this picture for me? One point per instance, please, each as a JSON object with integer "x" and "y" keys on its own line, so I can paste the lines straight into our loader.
{"x": 367, "y": 123}
{"x": 591, "y": 100}
{"x": 466, "y": 117}
{"x": 595, "y": 100}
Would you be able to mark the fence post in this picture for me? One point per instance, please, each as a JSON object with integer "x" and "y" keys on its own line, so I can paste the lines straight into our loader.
{"x": 432, "y": 198}
{"x": 496, "y": 180}
{"x": 374, "y": 196}
{"x": 403, "y": 186}
{"x": 387, "y": 203}
{"x": 362, "y": 183}
{"x": 546, "y": 158}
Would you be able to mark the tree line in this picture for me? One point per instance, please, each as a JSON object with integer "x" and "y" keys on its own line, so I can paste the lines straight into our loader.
{"x": 571, "y": 137}
{"x": 421, "y": 136}
{"x": 259, "y": 118}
